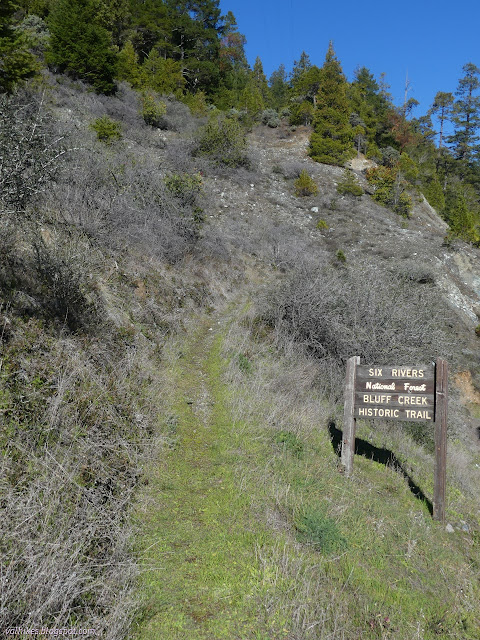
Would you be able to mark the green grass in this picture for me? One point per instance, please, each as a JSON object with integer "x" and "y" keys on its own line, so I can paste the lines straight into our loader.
{"x": 251, "y": 531}
{"x": 199, "y": 532}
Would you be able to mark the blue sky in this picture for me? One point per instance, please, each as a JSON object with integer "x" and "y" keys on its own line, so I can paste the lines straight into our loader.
{"x": 428, "y": 39}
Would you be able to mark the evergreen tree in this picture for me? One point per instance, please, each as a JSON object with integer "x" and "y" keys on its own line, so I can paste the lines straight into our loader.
{"x": 331, "y": 141}
{"x": 196, "y": 33}
{"x": 114, "y": 16}
{"x": 128, "y": 67}
{"x": 16, "y": 61}
{"x": 466, "y": 114}
{"x": 233, "y": 65}
{"x": 307, "y": 84}
{"x": 79, "y": 45}
{"x": 299, "y": 68}
{"x": 442, "y": 108}
{"x": 163, "y": 75}
{"x": 279, "y": 89}
{"x": 152, "y": 25}
{"x": 259, "y": 80}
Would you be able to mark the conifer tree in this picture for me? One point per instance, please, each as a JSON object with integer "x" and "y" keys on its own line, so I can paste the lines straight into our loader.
{"x": 442, "y": 108}
{"x": 466, "y": 114}
{"x": 79, "y": 45}
{"x": 16, "y": 61}
{"x": 331, "y": 141}
{"x": 259, "y": 80}
{"x": 279, "y": 88}
{"x": 299, "y": 68}
{"x": 233, "y": 65}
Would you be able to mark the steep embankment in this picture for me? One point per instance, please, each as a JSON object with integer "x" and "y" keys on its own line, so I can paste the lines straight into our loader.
{"x": 247, "y": 527}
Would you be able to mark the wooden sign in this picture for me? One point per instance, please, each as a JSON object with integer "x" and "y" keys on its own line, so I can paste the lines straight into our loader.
{"x": 396, "y": 393}
{"x": 410, "y": 393}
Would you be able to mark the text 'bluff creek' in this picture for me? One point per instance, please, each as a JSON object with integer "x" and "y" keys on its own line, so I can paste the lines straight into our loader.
{"x": 402, "y": 393}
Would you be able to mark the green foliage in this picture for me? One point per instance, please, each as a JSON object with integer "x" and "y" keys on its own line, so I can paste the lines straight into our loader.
{"x": 153, "y": 110}
{"x": 244, "y": 363}
{"x": 223, "y": 141}
{"x": 321, "y": 224}
{"x": 302, "y": 113}
{"x": 348, "y": 184}
{"x": 161, "y": 74}
{"x": 477, "y": 330}
{"x": 107, "y": 129}
{"x": 80, "y": 46}
{"x": 341, "y": 257}
{"x": 422, "y": 434}
{"x": 185, "y": 186}
{"x": 270, "y": 118}
{"x": 251, "y": 101}
{"x": 408, "y": 168}
{"x": 331, "y": 141}
{"x": 316, "y": 528}
{"x": 460, "y": 212}
{"x": 197, "y": 103}
{"x": 433, "y": 192}
{"x": 390, "y": 189}
{"x": 16, "y": 61}
{"x": 128, "y": 67}
{"x": 291, "y": 443}
{"x": 305, "y": 185}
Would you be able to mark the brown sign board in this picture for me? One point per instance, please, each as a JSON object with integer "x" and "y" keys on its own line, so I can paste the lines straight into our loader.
{"x": 396, "y": 393}
{"x": 416, "y": 394}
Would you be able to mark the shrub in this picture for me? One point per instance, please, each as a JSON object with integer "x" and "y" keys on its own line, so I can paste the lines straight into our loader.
{"x": 30, "y": 149}
{"x": 107, "y": 130}
{"x": 341, "y": 257}
{"x": 302, "y": 114}
{"x": 305, "y": 185}
{"x": 390, "y": 189}
{"x": 291, "y": 443}
{"x": 270, "y": 118}
{"x": 477, "y": 330}
{"x": 349, "y": 184}
{"x": 186, "y": 187}
{"x": 339, "y": 313}
{"x": 321, "y": 224}
{"x": 244, "y": 363}
{"x": 153, "y": 110}
{"x": 223, "y": 141}
{"x": 316, "y": 528}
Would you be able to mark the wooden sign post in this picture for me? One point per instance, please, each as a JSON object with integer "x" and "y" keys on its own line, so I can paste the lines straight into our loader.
{"x": 441, "y": 411}
{"x": 414, "y": 394}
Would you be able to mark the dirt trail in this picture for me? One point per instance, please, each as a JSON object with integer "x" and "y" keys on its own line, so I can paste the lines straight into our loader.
{"x": 199, "y": 536}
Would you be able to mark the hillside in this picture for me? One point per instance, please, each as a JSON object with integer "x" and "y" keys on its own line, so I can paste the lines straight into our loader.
{"x": 173, "y": 346}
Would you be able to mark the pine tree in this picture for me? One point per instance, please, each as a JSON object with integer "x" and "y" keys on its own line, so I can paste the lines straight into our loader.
{"x": 16, "y": 61}
{"x": 196, "y": 33}
{"x": 442, "y": 108}
{"x": 299, "y": 68}
{"x": 279, "y": 88}
{"x": 331, "y": 141}
{"x": 79, "y": 45}
{"x": 259, "y": 80}
{"x": 466, "y": 114}
{"x": 233, "y": 65}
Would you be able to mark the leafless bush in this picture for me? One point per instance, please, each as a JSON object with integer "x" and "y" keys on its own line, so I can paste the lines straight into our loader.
{"x": 291, "y": 169}
{"x": 363, "y": 311}
{"x": 68, "y": 468}
{"x": 30, "y": 149}
{"x": 179, "y": 117}
{"x": 124, "y": 202}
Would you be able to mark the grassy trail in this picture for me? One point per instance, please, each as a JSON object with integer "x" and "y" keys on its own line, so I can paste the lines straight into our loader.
{"x": 199, "y": 534}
